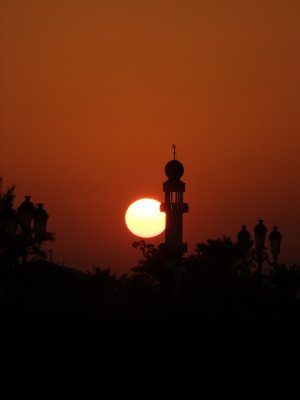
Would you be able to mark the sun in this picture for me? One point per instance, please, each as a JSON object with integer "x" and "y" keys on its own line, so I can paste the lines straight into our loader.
{"x": 144, "y": 218}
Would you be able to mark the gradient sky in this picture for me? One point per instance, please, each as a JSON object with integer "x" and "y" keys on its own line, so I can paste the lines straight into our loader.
{"x": 94, "y": 93}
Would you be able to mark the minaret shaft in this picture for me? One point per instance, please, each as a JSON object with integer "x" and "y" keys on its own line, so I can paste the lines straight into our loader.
{"x": 173, "y": 232}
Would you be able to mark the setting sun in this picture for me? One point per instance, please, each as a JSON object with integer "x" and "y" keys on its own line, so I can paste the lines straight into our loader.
{"x": 143, "y": 218}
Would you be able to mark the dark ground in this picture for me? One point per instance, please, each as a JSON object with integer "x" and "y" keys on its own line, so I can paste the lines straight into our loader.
{"x": 56, "y": 344}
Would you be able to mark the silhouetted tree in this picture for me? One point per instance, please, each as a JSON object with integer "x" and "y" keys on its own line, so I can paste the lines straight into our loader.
{"x": 13, "y": 242}
{"x": 7, "y": 196}
{"x": 215, "y": 261}
{"x": 7, "y": 239}
{"x": 152, "y": 263}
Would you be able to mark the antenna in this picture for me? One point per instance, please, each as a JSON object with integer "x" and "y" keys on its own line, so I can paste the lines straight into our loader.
{"x": 174, "y": 151}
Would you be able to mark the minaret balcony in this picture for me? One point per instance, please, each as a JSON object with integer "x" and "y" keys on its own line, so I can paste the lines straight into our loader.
{"x": 174, "y": 207}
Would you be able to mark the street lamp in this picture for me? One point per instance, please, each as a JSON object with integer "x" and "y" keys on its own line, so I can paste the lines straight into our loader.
{"x": 22, "y": 231}
{"x": 40, "y": 218}
{"x": 31, "y": 220}
{"x": 25, "y": 214}
{"x": 259, "y": 254}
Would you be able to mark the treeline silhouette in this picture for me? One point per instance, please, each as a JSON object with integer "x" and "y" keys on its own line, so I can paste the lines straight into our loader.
{"x": 224, "y": 332}
{"x": 213, "y": 283}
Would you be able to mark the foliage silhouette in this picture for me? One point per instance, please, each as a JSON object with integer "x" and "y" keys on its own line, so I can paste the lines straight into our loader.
{"x": 216, "y": 259}
{"x": 152, "y": 263}
{"x": 13, "y": 243}
{"x": 6, "y": 197}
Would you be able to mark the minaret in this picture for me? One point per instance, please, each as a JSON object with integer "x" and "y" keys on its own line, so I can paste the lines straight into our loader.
{"x": 174, "y": 207}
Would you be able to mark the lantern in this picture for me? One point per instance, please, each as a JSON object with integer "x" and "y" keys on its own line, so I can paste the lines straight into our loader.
{"x": 25, "y": 215}
{"x": 244, "y": 239}
{"x": 275, "y": 241}
{"x": 40, "y": 218}
{"x": 260, "y": 235}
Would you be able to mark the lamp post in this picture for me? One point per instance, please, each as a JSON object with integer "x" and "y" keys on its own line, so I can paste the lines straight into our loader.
{"x": 31, "y": 220}
{"x": 22, "y": 231}
{"x": 259, "y": 254}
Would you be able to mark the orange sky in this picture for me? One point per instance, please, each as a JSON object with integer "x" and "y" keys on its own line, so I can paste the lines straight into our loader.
{"x": 94, "y": 93}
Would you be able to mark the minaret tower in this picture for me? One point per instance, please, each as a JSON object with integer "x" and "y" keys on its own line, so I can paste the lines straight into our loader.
{"x": 174, "y": 207}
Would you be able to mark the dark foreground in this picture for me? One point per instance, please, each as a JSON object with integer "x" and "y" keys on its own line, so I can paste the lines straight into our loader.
{"x": 66, "y": 334}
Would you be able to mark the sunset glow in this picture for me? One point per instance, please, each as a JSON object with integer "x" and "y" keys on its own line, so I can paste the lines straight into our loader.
{"x": 94, "y": 94}
{"x": 143, "y": 218}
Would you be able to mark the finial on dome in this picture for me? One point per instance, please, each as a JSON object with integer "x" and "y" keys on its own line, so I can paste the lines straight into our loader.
{"x": 174, "y": 151}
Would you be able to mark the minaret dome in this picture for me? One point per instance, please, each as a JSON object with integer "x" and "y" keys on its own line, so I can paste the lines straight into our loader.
{"x": 174, "y": 170}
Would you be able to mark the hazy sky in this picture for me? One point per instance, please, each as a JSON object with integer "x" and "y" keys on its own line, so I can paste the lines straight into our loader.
{"x": 94, "y": 93}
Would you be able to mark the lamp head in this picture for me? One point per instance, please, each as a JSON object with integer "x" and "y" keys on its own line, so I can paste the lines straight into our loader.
{"x": 260, "y": 234}
{"x": 244, "y": 239}
{"x": 275, "y": 242}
